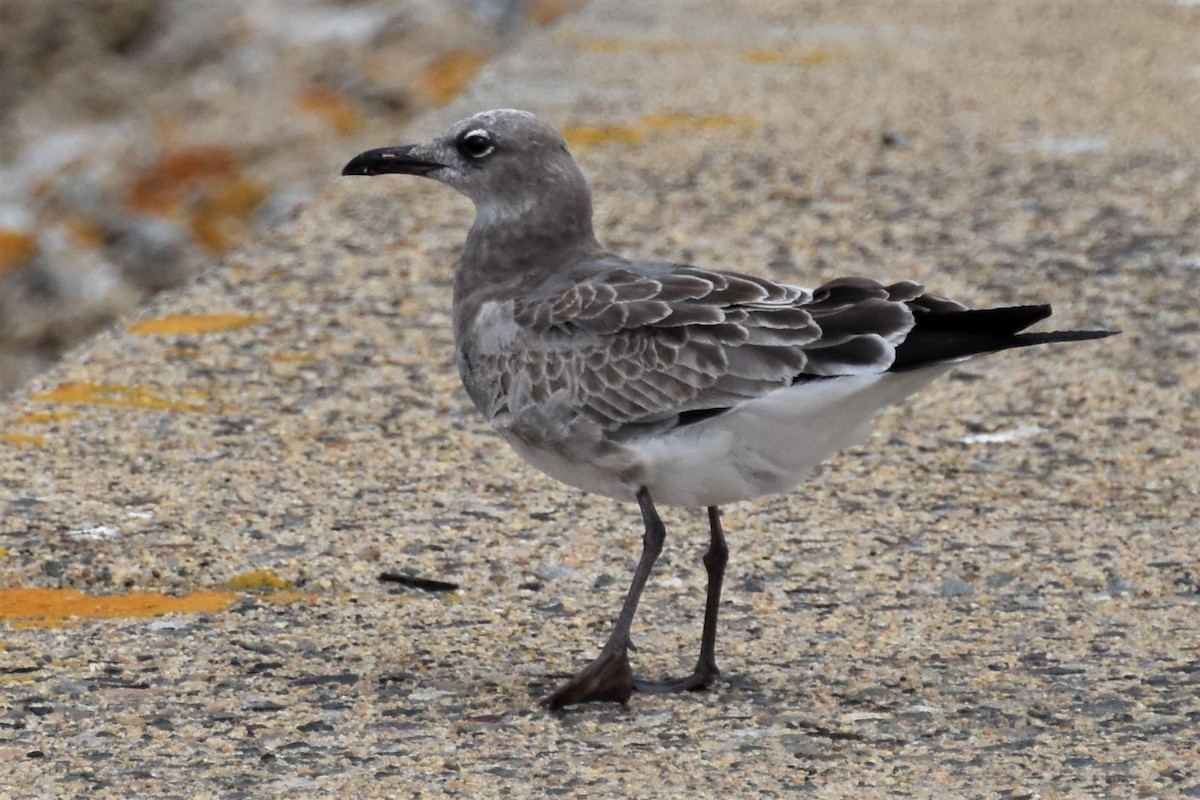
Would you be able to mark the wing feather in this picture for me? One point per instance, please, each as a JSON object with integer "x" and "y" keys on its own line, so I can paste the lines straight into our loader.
{"x": 637, "y": 343}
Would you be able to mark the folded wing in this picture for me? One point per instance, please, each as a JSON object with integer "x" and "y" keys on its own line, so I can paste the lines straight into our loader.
{"x": 638, "y": 344}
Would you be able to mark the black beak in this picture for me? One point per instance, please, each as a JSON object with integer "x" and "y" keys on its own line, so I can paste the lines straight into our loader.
{"x": 390, "y": 160}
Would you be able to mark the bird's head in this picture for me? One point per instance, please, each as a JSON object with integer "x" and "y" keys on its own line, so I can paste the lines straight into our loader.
{"x": 508, "y": 162}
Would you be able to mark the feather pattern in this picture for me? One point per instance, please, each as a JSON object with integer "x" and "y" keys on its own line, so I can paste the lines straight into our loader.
{"x": 635, "y": 343}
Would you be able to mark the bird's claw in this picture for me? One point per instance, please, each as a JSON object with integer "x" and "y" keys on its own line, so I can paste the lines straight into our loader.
{"x": 608, "y": 678}
{"x": 703, "y": 677}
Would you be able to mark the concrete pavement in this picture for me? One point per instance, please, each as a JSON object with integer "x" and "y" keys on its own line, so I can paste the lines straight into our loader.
{"x": 997, "y": 597}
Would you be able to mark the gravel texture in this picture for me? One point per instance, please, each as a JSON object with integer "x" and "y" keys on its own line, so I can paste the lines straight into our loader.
{"x": 996, "y": 597}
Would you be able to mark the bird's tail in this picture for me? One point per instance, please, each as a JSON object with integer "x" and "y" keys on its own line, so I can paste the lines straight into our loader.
{"x": 953, "y": 335}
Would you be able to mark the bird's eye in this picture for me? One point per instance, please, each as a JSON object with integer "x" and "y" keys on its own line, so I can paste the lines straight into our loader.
{"x": 476, "y": 144}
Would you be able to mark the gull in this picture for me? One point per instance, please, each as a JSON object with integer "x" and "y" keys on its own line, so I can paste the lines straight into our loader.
{"x": 660, "y": 382}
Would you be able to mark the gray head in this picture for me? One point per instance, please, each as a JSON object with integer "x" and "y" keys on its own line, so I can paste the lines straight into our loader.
{"x": 514, "y": 167}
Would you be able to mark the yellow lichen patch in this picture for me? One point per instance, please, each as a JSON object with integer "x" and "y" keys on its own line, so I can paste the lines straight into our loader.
{"x": 191, "y": 324}
{"x": 582, "y": 135}
{"x": 293, "y": 358}
{"x": 599, "y": 45}
{"x": 222, "y": 218}
{"x": 767, "y": 57}
{"x": 30, "y": 439}
{"x": 698, "y": 120}
{"x": 16, "y": 248}
{"x": 331, "y": 108}
{"x": 202, "y": 187}
{"x": 577, "y": 135}
{"x": 259, "y": 580}
{"x": 48, "y": 607}
{"x": 39, "y": 417}
{"x": 7, "y": 677}
{"x": 811, "y": 58}
{"x": 445, "y": 77}
{"x": 85, "y": 232}
{"x": 177, "y": 175}
{"x": 544, "y": 12}
{"x": 110, "y": 394}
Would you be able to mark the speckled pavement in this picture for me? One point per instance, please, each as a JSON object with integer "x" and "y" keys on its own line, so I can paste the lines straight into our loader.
{"x": 997, "y": 596}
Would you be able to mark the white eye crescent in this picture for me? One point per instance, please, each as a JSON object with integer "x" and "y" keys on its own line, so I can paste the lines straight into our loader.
{"x": 476, "y": 143}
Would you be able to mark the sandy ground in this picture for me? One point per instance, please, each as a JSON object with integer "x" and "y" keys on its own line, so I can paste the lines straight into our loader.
{"x": 995, "y": 597}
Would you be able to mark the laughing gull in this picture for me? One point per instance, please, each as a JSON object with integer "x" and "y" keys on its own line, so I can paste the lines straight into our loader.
{"x": 661, "y": 382}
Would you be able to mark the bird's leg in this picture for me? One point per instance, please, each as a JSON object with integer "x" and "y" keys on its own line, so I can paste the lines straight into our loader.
{"x": 714, "y": 563}
{"x": 609, "y": 676}
{"x": 706, "y": 666}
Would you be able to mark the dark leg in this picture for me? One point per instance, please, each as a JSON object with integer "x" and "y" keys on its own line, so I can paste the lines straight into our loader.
{"x": 706, "y": 667}
{"x": 714, "y": 562}
{"x": 609, "y": 677}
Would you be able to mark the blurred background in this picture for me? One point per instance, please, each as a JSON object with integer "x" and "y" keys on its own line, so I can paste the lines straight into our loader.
{"x": 140, "y": 140}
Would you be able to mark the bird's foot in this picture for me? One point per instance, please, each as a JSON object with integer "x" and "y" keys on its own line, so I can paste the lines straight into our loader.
{"x": 703, "y": 677}
{"x": 608, "y": 678}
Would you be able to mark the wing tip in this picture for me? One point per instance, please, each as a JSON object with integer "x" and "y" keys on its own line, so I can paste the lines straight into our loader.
{"x": 1051, "y": 337}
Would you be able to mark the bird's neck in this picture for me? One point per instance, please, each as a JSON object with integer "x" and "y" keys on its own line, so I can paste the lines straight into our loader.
{"x": 527, "y": 240}
{"x": 508, "y": 253}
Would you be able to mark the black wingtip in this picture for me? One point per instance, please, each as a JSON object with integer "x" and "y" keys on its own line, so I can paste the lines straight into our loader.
{"x": 955, "y": 335}
{"x": 1026, "y": 339}
{"x": 995, "y": 321}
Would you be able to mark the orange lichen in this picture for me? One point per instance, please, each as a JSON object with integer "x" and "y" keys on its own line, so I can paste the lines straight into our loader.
{"x": 445, "y": 77}
{"x": 33, "y": 418}
{"x": 544, "y": 12}
{"x": 577, "y": 135}
{"x": 767, "y": 57}
{"x": 697, "y": 120}
{"x": 16, "y": 249}
{"x": 293, "y": 358}
{"x": 107, "y": 394}
{"x": 202, "y": 187}
{"x": 22, "y": 438}
{"x": 812, "y": 58}
{"x": 86, "y": 232}
{"x": 259, "y": 580}
{"x": 331, "y": 108}
{"x": 177, "y": 175}
{"x": 38, "y": 417}
{"x": 222, "y": 217}
{"x": 190, "y": 324}
{"x": 48, "y": 607}
{"x": 582, "y": 135}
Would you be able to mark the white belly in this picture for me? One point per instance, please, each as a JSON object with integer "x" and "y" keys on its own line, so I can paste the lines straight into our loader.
{"x": 765, "y": 446}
